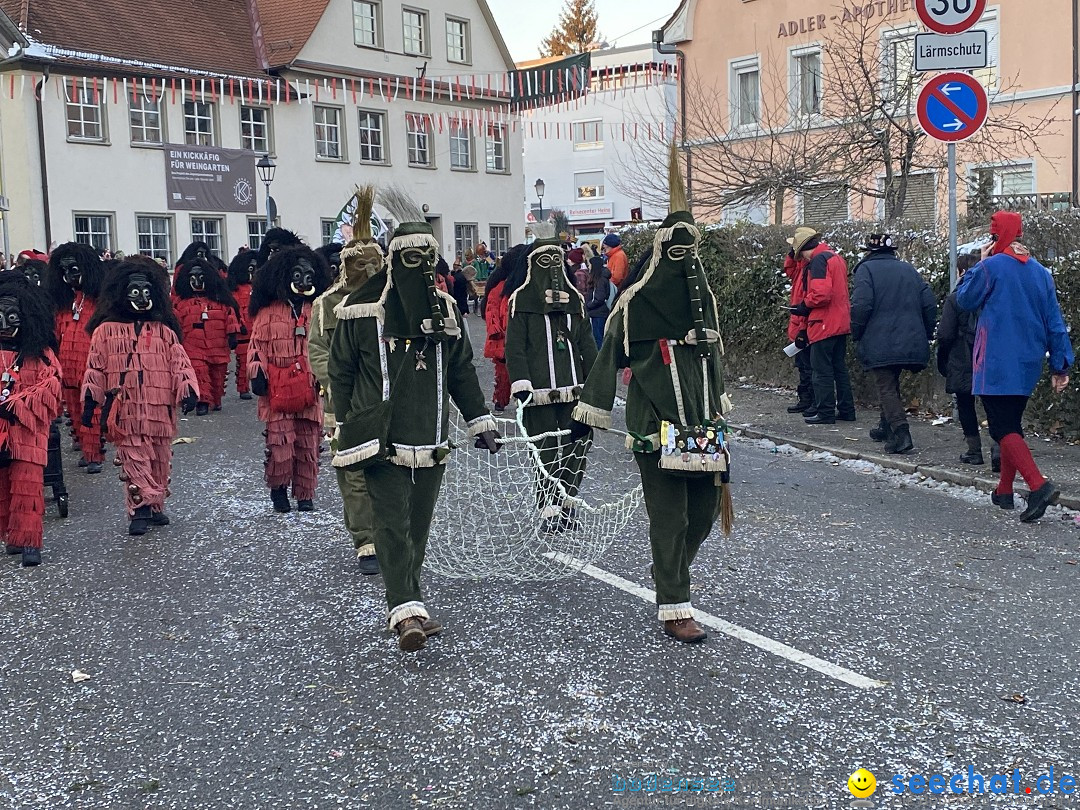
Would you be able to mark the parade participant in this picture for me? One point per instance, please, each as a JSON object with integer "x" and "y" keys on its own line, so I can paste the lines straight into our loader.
{"x": 74, "y": 281}
{"x": 361, "y": 259}
{"x": 276, "y": 239}
{"x": 280, "y": 372}
{"x": 495, "y": 308}
{"x": 332, "y": 254}
{"x": 395, "y": 365}
{"x": 240, "y": 271}
{"x": 550, "y": 349}
{"x": 1020, "y": 327}
{"x": 138, "y": 373}
{"x": 196, "y": 250}
{"x": 35, "y": 271}
{"x": 207, "y": 315}
{"x": 664, "y": 328}
{"x": 30, "y": 399}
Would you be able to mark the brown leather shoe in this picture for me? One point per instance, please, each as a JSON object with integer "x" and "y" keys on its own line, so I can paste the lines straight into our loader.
{"x": 411, "y": 636}
{"x": 431, "y": 627}
{"x": 687, "y": 631}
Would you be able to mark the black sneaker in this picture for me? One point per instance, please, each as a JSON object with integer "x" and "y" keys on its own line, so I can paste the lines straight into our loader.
{"x": 1039, "y": 500}
{"x": 93, "y": 468}
{"x": 202, "y": 409}
{"x": 246, "y": 396}
{"x": 1006, "y": 501}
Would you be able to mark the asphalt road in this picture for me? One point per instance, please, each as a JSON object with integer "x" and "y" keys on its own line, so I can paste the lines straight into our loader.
{"x": 238, "y": 659}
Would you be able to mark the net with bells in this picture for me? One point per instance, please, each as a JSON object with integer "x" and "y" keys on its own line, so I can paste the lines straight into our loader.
{"x": 518, "y": 515}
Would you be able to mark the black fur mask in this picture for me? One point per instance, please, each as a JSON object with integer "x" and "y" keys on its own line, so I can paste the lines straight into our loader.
{"x": 288, "y": 275}
{"x": 35, "y": 271}
{"x": 73, "y": 261}
{"x": 196, "y": 250}
{"x": 34, "y": 313}
{"x": 276, "y": 239}
{"x": 152, "y": 286}
{"x": 242, "y": 268}
{"x": 199, "y": 278}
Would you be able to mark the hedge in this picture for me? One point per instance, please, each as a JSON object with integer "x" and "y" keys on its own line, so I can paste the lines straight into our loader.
{"x": 745, "y": 267}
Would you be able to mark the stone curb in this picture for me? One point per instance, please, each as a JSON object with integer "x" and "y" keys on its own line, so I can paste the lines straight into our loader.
{"x": 890, "y": 462}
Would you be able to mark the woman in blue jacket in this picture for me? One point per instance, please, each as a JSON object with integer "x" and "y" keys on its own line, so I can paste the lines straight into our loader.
{"x": 1020, "y": 324}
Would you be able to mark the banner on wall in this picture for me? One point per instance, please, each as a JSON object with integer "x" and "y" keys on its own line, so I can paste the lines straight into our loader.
{"x": 203, "y": 178}
{"x": 343, "y": 234}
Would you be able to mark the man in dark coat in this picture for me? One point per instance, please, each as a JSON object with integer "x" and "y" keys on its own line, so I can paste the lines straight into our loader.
{"x": 893, "y": 317}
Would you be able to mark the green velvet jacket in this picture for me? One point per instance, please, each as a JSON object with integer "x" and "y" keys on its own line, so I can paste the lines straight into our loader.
{"x": 549, "y": 355}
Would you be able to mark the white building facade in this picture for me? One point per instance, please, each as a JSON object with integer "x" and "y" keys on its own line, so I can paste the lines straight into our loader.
{"x": 406, "y": 95}
{"x": 583, "y": 149}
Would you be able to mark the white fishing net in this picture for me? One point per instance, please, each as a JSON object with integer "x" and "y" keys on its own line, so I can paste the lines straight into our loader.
{"x": 514, "y": 515}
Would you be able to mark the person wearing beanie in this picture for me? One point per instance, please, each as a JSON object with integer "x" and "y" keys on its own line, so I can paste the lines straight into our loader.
{"x": 893, "y": 317}
{"x": 1020, "y": 325}
{"x": 617, "y": 262}
{"x": 825, "y": 304}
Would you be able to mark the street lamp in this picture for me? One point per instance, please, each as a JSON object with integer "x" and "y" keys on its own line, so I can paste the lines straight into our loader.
{"x": 540, "y": 188}
{"x": 266, "y": 169}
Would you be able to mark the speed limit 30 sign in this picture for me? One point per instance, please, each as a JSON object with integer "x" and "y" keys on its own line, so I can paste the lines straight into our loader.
{"x": 950, "y": 16}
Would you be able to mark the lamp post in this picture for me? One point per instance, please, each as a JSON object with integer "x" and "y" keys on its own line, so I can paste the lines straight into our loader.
{"x": 266, "y": 168}
{"x": 540, "y": 188}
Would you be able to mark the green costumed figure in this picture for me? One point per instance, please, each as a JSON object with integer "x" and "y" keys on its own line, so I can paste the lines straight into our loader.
{"x": 396, "y": 363}
{"x": 664, "y": 328}
{"x": 550, "y": 350}
{"x": 361, "y": 259}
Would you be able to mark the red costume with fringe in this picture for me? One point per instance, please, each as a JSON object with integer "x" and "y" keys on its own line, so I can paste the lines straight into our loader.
{"x": 74, "y": 347}
{"x": 292, "y": 440}
{"x": 497, "y": 316}
{"x": 242, "y": 294}
{"x": 36, "y": 402}
{"x": 152, "y": 373}
{"x": 207, "y": 326}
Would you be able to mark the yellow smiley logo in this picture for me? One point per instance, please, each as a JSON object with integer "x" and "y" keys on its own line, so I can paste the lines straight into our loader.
{"x": 862, "y": 784}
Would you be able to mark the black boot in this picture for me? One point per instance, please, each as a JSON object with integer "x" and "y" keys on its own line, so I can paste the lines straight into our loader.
{"x": 159, "y": 519}
{"x": 280, "y": 498}
{"x": 995, "y": 457}
{"x": 368, "y": 564}
{"x": 13, "y": 550}
{"x": 882, "y": 433}
{"x": 140, "y": 523}
{"x": 202, "y": 409}
{"x": 900, "y": 442}
{"x": 974, "y": 451}
{"x": 306, "y": 505}
{"x": 31, "y": 557}
{"x": 802, "y": 406}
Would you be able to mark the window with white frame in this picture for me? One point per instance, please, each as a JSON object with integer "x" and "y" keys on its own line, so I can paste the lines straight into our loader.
{"x": 499, "y": 239}
{"x": 825, "y": 203}
{"x": 366, "y": 23}
{"x": 414, "y": 27}
{"x": 806, "y": 81}
{"x": 255, "y": 129}
{"x": 199, "y": 129}
{"x": 95, "y": 230}
{"x": 154, "y": 235}
{"x": 466, "y": 237}
{"x": 85, "y": 115}
{"x": 1006, "y": 179}
{"x": 372, "y": 128}
{"x": 991, "y": 74}
{"x": 589, "y": 185}
{"x": 209, "y": 230}
{"x": 147, "y": 124}
{"x": 418, "y": 128}
{"x": 256, "y": 232}
{"x": 745, "y": 209}
{"x": 327, "y": 228}
{"x": 898, "y": 64}
{"x": 328, "y": 133}
{"x": 746, "y": 92}
{"x": 496, "y": 148}
{"x": 461, "y": 146}
{"x": 457, "y": 40}
{"x": 588, "y": 134}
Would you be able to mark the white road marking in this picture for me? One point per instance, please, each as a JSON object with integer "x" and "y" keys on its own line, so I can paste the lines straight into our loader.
{"x": 735, "y": 631}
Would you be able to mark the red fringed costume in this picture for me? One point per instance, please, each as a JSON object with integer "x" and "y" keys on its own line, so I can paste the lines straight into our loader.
{"x": 242, "y": 294}
{"x": 36, "y": 402}
{"x": 74, "y": 347}
{"x": 207, "y": 326}
{"x": 292, "y": 440}
{"x": 153, "y": 374}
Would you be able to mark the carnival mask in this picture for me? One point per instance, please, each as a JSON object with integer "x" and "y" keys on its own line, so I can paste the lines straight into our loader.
{"x": 139, "y": 292}
{"x": 71, "y": 271}
{"x": 303, "y": 279}
{"x": 197, "y": 278}
{"x": 550, "y": 273}
{"x": 335, "y": 262}
{"x": 248, "y": 271}
{"x": 10, "y": 320}
{"x": 33, "y": 274}
{"x": 200, "y": 254}
{"x": 420, "y": 257}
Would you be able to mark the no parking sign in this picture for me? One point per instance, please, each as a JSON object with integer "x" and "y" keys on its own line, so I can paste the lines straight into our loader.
{"x": 952, "y": 107}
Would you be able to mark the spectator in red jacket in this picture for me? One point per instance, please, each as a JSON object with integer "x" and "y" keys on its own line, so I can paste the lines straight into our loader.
{"x": 795, "y": 270}
{"x": 827, "y": 309}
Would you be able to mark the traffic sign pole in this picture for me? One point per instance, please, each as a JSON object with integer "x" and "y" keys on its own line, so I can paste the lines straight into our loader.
{"x": 953, "y": 224}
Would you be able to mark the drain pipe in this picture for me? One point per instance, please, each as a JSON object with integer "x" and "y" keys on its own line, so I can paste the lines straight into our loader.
{"x": 680, "y": 56}
{"x": 1076, "y": 104}
{"x": 39, "y": 95}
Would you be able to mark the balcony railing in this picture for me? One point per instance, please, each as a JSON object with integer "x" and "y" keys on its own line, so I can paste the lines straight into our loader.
{"x": 1059, "y": 201}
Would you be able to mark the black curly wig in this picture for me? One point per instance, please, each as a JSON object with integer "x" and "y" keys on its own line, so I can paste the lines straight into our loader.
{"x": 93, "y": 274}
{"x": 191, "y": 250}
{"x": 36, "y": 332}
{"x": 215, "y": 285}
{"x": 272, "y": 281}
{"x": 281, "y": 237}
{"x": 242, "y": 268}
{"x": 113, "y": 303}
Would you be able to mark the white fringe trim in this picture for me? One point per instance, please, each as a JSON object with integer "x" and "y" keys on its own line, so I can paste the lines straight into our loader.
{"x": 592, "y": 416}
{"x": 654, "y": 438}
{"x": 520, "y": 386}
{"x": 354, "y": 455}
{"x": 695, "y": 462}
{"x": 726, "y": 405}
{"x": 417, "y": 457}
{"x": 481, "y": 424}
{"x": 367, "y": 550}
{"x": 669, "y": 613}
{"x": 408, "y": 610}
{"x": 551, "y": 396}
{"x": 353, "y": 311}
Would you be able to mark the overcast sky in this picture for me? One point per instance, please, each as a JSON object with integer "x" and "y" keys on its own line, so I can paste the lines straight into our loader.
{"x": 524, "y": 23}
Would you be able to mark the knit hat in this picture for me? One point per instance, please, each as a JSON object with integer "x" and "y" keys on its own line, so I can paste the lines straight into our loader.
{"x": 879, "y": 242}
{"x": 802, "y": 236}
{"x": 612, "y": 240}
{"x": 575, "y": 256}
{"x": 1007, "y": 226}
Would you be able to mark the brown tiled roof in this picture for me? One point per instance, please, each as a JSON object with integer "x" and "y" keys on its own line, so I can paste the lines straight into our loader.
{"x": 215, "y": 36}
